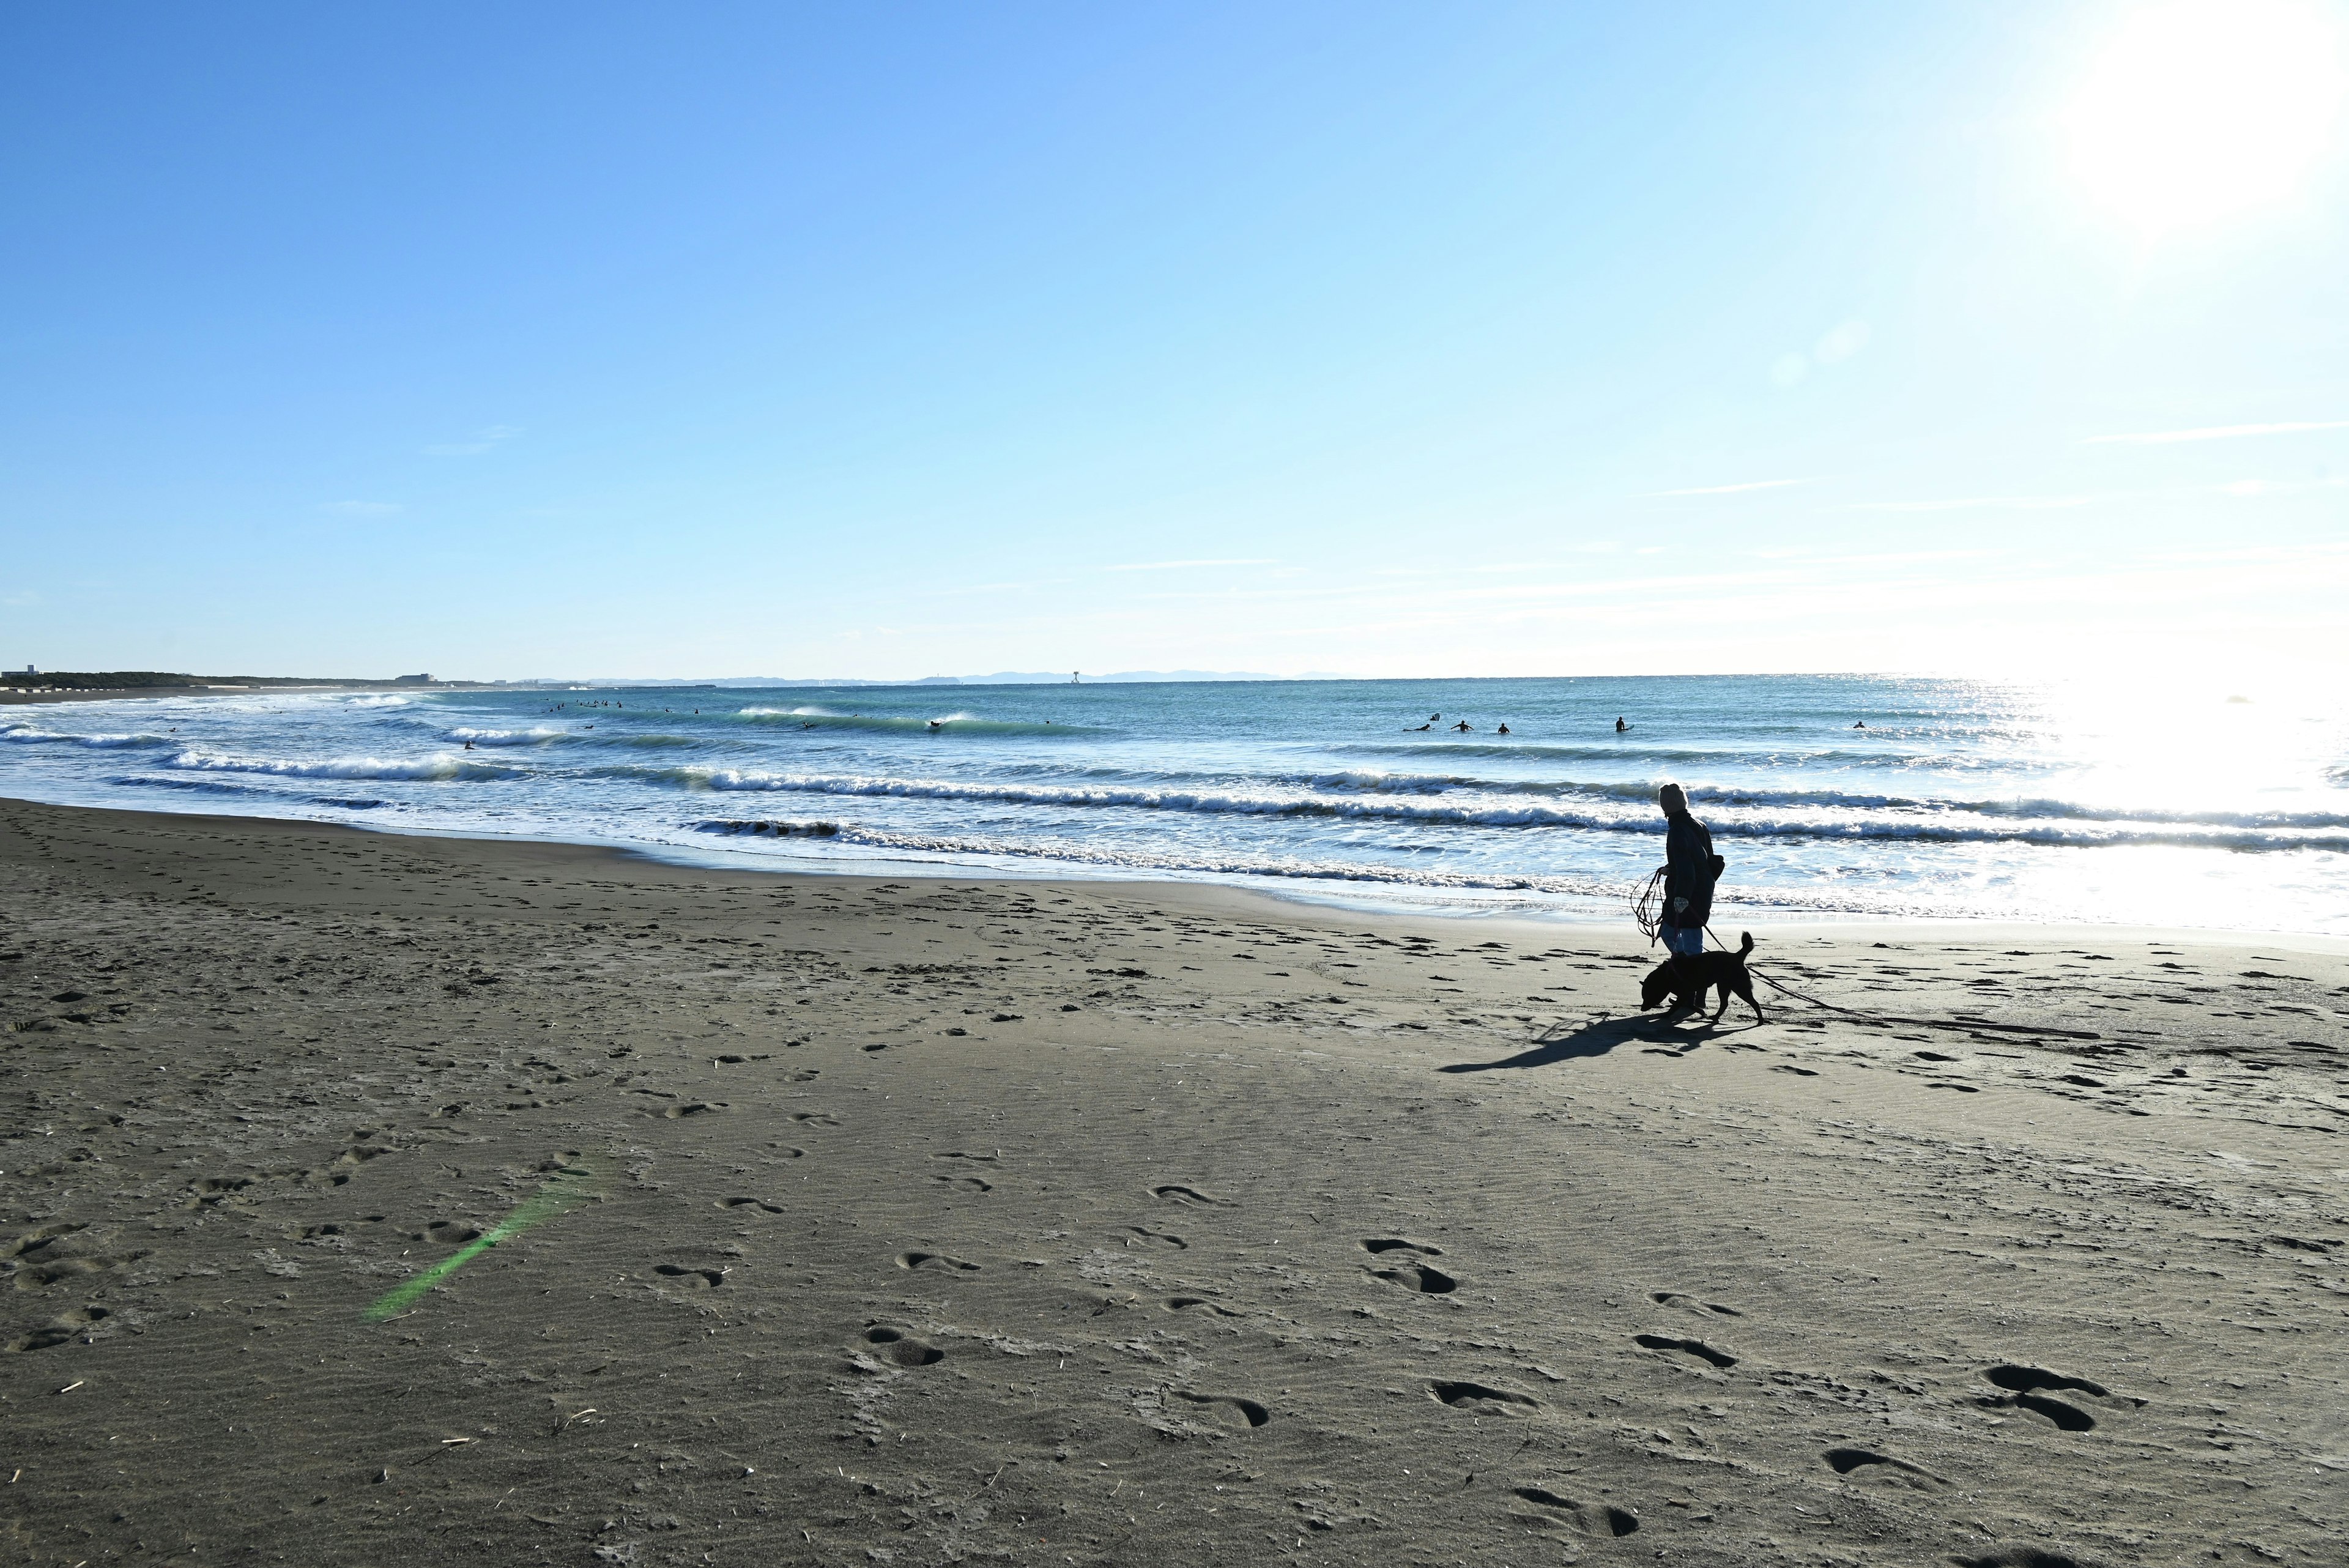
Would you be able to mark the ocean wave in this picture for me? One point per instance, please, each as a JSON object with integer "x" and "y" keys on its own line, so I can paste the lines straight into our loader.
{"x": 2031, "y": 807}
{"x": 653, "y": 742}
{"x": 442, "y": 767}
{"x": 536, "y": 736}
{"x": 956, "y": 724}
{"x": 383, "y": 700}
{"x": 1146, "y": 863}
{"x": 773, "y": 828}
{"x": 542, "y": 735}
{"x": 26, "y": 734}
{"x": 199, "y": 786}
{"x": 1857, "y": 829}
{"x": 1737, "y": 754}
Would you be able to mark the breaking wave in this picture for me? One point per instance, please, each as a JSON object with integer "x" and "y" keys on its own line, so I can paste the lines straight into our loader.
{"x": 537, "y": 736}
{"x": 1142, "y": 862}
{"x": 26, "y": 734}
{"x": 1916, "y": 828}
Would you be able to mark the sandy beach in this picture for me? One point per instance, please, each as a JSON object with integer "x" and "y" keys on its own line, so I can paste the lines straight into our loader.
{"x": 929, "y": 1222}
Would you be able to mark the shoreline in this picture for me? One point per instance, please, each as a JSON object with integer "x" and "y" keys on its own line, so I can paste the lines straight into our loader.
{"x": 1763, "y": 920}
{"x": 843, "y": 1220}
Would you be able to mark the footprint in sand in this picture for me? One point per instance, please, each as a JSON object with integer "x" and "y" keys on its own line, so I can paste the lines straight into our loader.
{"x": 692, "y": 1108}
{"x": 1478, "y": 1396}
{"x": 212, "y": 1190}
{"x": 1142, "y": 1235}
{"x": 1679, "y": 1302}
{"x": 2026, "y": 1388}
{"x": 1397, "y": 1244}
{"x": 35, "y": 1274}
{"x": 1418, "y": 1277}
{"x": 62, "y": 1329}
{"x": 694, "y": 1278}
{"x": 1183, "y": 1195}
{"x": 1185, "y": 1303}
{"x": 1602, "y": 1521}
{"x": 935, "y": 1260}
{"x": 966, "y": 1183}
{"x": 2020, "y": 1557}
{"x": 756, "y": 1205}
{"x": 1868, "y": 1465}
{"x": 816, "y": 1118}
{"x": 895, "y": 1344}
{"x": 1696, "y": 1348}
{"x": 339, "y": 1172}
{"x": 34, "y": 1240}
{"x": 1247, "y": 1410}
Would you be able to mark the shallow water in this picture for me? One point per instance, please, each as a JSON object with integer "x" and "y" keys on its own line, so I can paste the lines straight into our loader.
{"x": 1958, "y": 799}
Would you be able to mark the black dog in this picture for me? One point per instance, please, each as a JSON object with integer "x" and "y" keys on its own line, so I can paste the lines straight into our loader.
{"x": 1686, "y": 980}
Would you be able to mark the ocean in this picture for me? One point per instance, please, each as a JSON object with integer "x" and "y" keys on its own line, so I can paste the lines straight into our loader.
{"x": 1956, "y": 800}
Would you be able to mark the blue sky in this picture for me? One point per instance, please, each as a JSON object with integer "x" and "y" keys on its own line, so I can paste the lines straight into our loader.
{"x": 1396, "y": 340}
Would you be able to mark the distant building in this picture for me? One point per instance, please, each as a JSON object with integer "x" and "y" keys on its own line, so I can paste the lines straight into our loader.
{"x": 28, "y": 670}
{"x": 412, "y": 679}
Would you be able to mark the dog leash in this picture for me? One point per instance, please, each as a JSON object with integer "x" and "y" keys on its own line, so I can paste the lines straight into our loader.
{"x": 1646, "y": 909}
{"x": 1959, "y": 1024}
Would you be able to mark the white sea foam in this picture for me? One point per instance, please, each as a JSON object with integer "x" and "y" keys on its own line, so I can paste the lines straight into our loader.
{"x": 1645, "y": 822}
{"x": 1143, "y": 861}
{"x": 536, "y": 736}
{"x": 26, "y": 734}
{"x": 442, "y": 766}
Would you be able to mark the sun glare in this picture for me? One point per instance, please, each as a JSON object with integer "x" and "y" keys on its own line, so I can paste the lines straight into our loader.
{"x": 2203, "y": 109}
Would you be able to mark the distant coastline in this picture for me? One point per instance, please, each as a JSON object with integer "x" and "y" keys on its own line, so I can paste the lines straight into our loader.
{"x": 82, "y": 686}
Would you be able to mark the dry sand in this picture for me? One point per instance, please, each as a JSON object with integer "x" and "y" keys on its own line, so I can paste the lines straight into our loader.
{"x": 925, "y": 1222}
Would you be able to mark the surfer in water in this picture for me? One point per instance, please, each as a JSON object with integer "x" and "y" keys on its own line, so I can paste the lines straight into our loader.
{"x": 1620, "y": 725}
{"x": 1461, "y": 726}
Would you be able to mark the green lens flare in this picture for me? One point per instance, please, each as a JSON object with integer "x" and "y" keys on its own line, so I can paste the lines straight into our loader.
{"x": 566, "y": 1191}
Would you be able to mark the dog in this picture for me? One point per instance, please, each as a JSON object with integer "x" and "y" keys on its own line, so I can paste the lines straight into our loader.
{"x": 1686, "y": 981}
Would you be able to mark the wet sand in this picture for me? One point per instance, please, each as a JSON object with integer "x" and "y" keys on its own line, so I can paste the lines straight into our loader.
{"x": 928, "y": 1222}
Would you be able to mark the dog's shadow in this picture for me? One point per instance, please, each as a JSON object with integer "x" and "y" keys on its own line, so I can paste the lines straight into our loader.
{"x": 1551, "y": 1047}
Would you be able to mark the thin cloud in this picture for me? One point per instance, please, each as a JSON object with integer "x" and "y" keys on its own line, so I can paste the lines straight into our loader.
{"x": 365, "y": 508}
{"x": 1171, "y": 566}
{"x": 2215, "y": 432}
{"x": 483, "y": 441}
{"x": 1730, "y": 489}
{"x": 1979, "y": 502}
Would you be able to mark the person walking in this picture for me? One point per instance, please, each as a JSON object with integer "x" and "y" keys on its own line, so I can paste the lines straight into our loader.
{"x": 1691, "y": 868}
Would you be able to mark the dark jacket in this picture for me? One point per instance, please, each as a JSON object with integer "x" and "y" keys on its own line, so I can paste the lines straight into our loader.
{"x": 1688, "y": 861}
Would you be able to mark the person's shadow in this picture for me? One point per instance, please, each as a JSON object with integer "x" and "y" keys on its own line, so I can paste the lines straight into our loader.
{"x": 1597, "y": 1039}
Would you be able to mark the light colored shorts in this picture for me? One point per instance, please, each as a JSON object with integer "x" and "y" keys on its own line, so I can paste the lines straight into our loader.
{"x": 1686, "y": 940}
